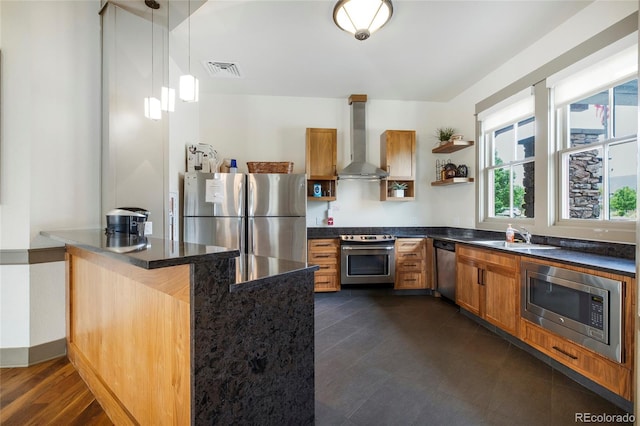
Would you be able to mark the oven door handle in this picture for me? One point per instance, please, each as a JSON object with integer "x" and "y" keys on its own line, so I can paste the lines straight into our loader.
{"x": 367, "y": 248}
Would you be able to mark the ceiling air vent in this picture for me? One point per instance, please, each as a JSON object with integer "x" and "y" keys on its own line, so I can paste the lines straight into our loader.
{"x": 222, "y": 69}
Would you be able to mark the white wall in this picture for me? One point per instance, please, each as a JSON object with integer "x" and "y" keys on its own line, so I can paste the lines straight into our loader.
{"x": 50, "y": 158}
{"x": 269, "y": 128}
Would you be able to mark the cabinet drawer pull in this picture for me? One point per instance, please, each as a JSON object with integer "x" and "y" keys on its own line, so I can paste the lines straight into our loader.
{"x": 323, "y": 245}
{"x": 323, "y": 282}
{"x": 322, "y": 255}
{"x": 409, "y": 265}
{"x": 563, "y": 352}
{"x": 410, "y": 279}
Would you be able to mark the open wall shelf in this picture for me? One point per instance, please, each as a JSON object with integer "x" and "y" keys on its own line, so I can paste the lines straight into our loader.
{"x": 452, "y": 181}
{"x": 451, "y": 146}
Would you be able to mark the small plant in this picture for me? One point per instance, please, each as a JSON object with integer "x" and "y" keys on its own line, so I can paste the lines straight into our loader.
{"x": 444, "y": 133}
{"x": 395, "y": 186}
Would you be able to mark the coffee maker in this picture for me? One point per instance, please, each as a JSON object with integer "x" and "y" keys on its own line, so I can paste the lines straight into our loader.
{"x": 127, "y": 220}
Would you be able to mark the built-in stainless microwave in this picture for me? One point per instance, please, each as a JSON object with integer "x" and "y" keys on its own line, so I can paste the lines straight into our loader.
{"x": 583, "y": 308}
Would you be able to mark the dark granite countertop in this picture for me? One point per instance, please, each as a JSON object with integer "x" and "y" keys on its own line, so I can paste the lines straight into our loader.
{"x": 571, "y": 257}
{"x": 253, "y": 269}
{"x": 152, "y": 253}
{"x": 608, "y": 257}
{"x": 148, "y": 253}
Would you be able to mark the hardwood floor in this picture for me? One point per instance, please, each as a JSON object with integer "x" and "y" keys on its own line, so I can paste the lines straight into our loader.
{"x": 51, "y": 392}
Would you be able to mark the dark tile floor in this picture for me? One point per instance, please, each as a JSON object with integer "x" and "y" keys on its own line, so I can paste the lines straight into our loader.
{"x": 415, "y": 360}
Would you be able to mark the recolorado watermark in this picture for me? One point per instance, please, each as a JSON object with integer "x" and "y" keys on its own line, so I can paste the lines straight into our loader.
{"x": 604, "y": 418}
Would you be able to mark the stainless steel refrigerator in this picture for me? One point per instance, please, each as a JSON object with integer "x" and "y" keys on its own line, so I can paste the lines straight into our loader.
{"x": 262, "y": 213}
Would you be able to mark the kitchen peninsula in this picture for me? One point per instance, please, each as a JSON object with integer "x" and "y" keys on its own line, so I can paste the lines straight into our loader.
{"x": 179, "y": 333}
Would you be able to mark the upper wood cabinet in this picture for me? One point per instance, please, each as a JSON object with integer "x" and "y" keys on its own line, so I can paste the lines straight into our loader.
{"x": 398, "y": 158}
{"x": 320, "y": 162}
{"x": 321, "y": 155}
{"x": 398, "y": 154}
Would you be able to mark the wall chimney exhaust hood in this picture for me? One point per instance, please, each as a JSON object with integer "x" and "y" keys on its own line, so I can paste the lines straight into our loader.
{"x": 359, "y": 168}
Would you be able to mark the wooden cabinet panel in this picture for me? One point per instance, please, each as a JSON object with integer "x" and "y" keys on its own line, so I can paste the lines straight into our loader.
{"x": 326, "y": 254}
{"x": 397, "y": 153}
{"x": 321, "y": 152}
{"x": 411, "y": 270}
{"x": 487, "y": 284}
{"x": 502, "y": 299}
{"x": 410, "y": 280}
{"x": 609, "y": 374}
{"x": 468, "y": 286}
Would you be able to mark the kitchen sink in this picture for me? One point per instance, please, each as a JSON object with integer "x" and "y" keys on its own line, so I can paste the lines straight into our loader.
{"x": 514, "y": 246}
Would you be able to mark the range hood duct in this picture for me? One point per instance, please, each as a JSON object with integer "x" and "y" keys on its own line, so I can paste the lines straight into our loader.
{"x": 359, "y": 168}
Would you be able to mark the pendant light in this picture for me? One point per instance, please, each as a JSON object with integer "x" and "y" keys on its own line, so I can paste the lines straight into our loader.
{"x": 189, "y": 85}
{"x": 152, "y": 105}
{"x": 362, "y": 17}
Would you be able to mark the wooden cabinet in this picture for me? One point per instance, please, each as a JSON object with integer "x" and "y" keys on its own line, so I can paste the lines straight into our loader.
{"x": 326, "y": 254}
{"x": 446, "y": 148}
{"x": 411, "y": 263}
{"x": 398, "y": 158}
{"x": 320, "y": 163}
{"x": 487, "y": 284}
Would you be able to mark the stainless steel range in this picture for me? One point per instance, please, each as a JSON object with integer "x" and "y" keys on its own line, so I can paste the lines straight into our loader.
{"x": 367, "y": 259}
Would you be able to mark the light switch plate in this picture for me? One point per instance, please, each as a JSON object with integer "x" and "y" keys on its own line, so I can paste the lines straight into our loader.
{"x": 148, "y": 228}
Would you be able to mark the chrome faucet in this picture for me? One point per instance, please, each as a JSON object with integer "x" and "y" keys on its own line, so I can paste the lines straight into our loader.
{"x": 524, "y": 234}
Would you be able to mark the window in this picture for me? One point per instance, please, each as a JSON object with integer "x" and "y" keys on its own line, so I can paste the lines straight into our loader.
{"x": 597, "y": 151}
{"x": 508, "y": 144}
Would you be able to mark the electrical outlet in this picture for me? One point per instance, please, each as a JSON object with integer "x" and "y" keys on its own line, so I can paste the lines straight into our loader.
{"x": 148, "y": 228}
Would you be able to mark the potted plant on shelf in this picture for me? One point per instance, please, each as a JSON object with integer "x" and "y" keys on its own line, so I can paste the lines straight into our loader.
{"x": 444, "y": 134}
{"x": 398, "y": 189}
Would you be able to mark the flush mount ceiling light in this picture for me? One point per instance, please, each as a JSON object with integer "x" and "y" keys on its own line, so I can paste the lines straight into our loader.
{"x": 362, "y": 17}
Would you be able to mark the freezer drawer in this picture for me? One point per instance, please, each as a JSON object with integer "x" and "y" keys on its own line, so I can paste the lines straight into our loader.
{"x": 215, "y": 231}
{"x": 281, "y": 237}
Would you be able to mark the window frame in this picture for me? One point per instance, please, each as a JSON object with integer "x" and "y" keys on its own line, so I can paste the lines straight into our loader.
{"x": 488, "y": 171}
{"x": 614, "y": 39}
{"x": 561, "y": 128}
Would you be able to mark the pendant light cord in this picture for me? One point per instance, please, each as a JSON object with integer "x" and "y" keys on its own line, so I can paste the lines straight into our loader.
{"x": 189, "y": 37}
{"x": 151, "y": 94}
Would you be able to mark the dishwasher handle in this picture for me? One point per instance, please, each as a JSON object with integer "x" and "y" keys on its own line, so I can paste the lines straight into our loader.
{"x": 444, "y": 245}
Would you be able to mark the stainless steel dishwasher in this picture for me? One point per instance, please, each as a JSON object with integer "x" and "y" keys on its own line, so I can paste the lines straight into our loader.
{"x": 445, "y": 268}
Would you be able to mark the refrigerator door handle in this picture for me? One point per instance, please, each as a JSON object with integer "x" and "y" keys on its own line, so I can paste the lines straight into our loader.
{"x": 250, "y": 248}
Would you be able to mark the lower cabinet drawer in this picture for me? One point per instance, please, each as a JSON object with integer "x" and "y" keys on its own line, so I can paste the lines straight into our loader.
{"x": 317, "y": 258}
{"x": 409, "y": 265}
{"x": 410, "y": 280}
{"x": 326, "y": 282}
{"x": 330, "y": 268}
{"x": 609, "y": 374}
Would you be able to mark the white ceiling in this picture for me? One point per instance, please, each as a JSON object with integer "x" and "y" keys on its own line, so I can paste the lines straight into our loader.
{"x": 429, "y": 51}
